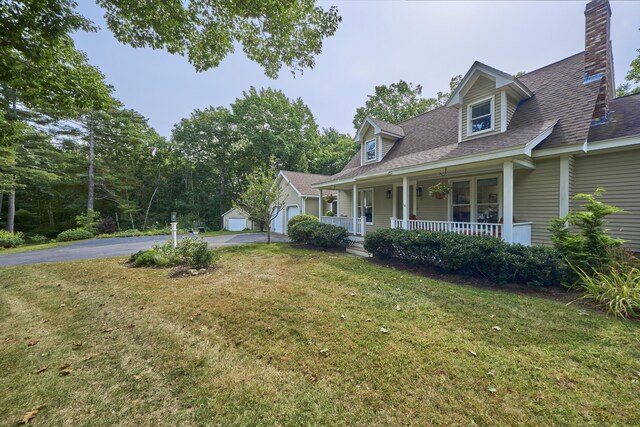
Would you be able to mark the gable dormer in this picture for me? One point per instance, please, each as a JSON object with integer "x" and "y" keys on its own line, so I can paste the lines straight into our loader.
{"x": 486, "y": 99}
{"x": 376, "y": 137}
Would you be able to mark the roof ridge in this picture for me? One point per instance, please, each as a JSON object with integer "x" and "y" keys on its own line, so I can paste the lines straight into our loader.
{"x": 305, "y": 173}
{"x": 421, "y": 114}
{"x": 553, "y": 63}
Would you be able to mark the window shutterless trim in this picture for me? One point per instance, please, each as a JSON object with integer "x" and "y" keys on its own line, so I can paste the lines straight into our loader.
{"x": 492, "y": 114}
{"x": 375, "y": 150}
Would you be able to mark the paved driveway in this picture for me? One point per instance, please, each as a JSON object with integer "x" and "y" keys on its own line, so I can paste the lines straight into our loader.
{"x": 121, "y": 246}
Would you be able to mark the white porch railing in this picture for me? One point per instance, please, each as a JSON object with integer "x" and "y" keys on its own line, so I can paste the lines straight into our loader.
{"x": 347, "y": 223}
{"x": 521, "y": 231}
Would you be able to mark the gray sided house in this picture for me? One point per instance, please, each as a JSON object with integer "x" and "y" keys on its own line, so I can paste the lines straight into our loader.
{"x": 299, "y": 197}
{"x": 512, "y": 152}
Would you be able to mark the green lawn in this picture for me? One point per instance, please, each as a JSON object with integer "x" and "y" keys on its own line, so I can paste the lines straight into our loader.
{"x": 282, "y": 336}
{"x": 29, "y": 248}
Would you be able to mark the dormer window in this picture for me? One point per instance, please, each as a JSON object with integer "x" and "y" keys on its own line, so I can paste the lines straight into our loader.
{"x": 481, "y": 116}
{"x": 370, "y": 150}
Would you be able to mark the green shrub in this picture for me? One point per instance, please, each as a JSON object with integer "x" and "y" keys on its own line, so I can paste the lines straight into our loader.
{"x": 301, "y": 218}
{"x": 329, "y": 213}
{"x": 37, "y": 239}
{"x": 89, "y": 221}
{"x": 480, "y": 256}
{"x": 318, "y": 234}
{"x": 151, "y": 258}
{"x": 617, "y": 289}
{"x": 10, "y": 240}
{"x": 586, "y": 244}
{"x": 135, "y": 233}
{"x": 191, "y": 252}
{"x": 74, "y": 234}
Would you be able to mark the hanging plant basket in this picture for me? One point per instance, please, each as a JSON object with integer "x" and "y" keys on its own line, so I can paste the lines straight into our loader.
{"x": 330, "y": 198}
{"x": 439, "y": 191}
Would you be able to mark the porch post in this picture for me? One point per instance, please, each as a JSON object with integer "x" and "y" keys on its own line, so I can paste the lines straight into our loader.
{"x": 405, "y": 202}
{"x": 320, "y": 206}
{"x": 507, "y": 201}
{"x": 414, "y": 196}
{"x": 394, "y": 200}
{"x": 564, "y": 185}
{"x": 355, "y": 208}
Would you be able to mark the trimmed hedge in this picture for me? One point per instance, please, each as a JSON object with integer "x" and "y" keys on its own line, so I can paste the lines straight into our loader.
{"x": 318, "y": 234}
{"x": 300, "y": 218}
{"x": 74, "y": 234}
{"x": 482, "y": 256}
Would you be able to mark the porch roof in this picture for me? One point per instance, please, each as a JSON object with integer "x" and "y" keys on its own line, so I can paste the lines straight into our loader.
{"x": 561, "y": 101}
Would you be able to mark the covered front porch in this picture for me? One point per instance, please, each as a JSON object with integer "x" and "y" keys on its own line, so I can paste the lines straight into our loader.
{"x": 480, "y": 202}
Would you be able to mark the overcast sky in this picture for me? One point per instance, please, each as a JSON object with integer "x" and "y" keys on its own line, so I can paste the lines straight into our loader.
{"x": 377, "y": 43}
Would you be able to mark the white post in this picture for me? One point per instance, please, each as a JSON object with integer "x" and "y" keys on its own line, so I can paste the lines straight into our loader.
{"x": 355, "y": 208}
{"x": 414, "y": 196}
{"x": 564, "y": 186}
{"x": 394, "y": 200}
{"x": 405, "y": 202}
{"x": 320, "y": 213}
{"x": 393, "y": 222}
{"x": 507, "y": 201}
{"x": 174, "y": 234}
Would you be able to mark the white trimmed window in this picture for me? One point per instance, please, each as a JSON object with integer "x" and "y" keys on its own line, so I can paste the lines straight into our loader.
{"x": 475, "y": 200}
{"x": 480, "y": 117}
{"x": 370, "y": 150}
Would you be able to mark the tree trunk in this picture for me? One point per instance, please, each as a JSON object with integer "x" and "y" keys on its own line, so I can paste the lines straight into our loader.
{"x": 221, "y": 202}
{"x": 12, "y": 211}
{"x": 50, "y": 212}
{"x": 144, "y": 227}
{"x": 117, "y": 221}
{"x": 269, "y": 235}
{"x": 131, "y": 218}
{"x": 91, "y": 170}
{"x": 1, "y": 198}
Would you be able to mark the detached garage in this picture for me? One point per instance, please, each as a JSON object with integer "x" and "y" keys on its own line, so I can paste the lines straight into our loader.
{"x": 236, "y": 220}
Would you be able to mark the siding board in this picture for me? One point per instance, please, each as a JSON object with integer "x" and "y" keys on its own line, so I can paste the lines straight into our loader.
{"x": 430, "y": 208}
{"x": 619, "y": 174}
{"x": 536, "y": 197}
{"x": 482, "y": 88}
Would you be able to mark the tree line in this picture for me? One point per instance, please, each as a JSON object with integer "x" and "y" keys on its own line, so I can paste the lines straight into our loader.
{"x": 68, "y": 147}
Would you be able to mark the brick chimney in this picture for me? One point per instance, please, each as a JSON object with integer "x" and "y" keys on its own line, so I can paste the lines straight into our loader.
{"x": 598, "y": 58}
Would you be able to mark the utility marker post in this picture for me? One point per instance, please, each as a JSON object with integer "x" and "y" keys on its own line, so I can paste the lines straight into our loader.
{"x": 174, "y": 229}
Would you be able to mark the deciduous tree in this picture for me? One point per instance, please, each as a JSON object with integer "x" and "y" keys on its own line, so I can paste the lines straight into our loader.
{"x": 262, "y": 199}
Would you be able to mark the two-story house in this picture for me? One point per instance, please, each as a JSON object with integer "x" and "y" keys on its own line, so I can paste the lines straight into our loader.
{"x": 512, "y": 151}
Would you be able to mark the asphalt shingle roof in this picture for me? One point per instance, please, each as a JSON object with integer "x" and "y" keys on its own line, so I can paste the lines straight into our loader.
{"x": 303, "y": 182}
{"x": 388, "y": 127}
{"x": 560, "y": 99}
{"x": 624, "y": 120}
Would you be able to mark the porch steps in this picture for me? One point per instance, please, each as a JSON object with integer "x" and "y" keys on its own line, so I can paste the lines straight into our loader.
{"x": 356, "y": 248}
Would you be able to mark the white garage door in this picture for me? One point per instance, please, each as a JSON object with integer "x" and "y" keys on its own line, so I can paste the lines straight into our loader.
{"x": 237, "y": 224}
{"x": 276, "y": 224}
{"x": 291, "y": 212}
